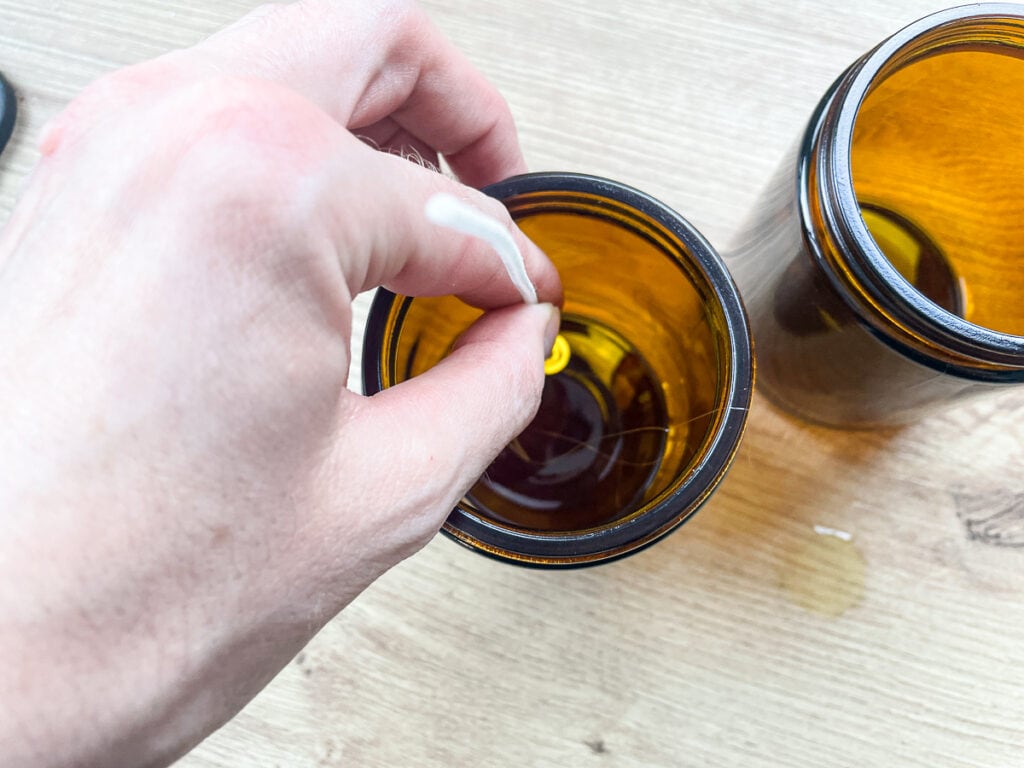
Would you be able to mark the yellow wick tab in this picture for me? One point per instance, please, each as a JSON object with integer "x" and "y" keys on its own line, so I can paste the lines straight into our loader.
{"x": 561, "y": 354}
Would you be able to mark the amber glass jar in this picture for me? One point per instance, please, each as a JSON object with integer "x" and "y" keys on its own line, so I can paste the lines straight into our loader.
{"x": 884, "y": 273}
{"x": 647, "y": 391}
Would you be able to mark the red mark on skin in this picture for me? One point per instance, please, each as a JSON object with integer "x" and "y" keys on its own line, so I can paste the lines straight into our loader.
{"x": 52, "y": 135}
{"x": 220, "y": 535}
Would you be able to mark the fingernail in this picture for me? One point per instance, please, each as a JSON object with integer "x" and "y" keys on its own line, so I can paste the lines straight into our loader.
{"x": 552, "y": 328}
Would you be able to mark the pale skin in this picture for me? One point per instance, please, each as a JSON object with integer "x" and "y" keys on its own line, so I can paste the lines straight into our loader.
{"x": 188, "y": 491}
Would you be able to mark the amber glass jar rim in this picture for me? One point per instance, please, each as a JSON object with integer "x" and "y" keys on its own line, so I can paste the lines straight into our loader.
{"x": 980, "y": 353}
{"x": 626, "y": 536}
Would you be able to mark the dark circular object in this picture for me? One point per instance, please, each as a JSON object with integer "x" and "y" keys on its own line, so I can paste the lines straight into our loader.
{"x": 8, "y": 111}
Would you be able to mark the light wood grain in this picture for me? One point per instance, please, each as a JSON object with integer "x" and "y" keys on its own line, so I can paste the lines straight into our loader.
{"x": 699, "y": 651}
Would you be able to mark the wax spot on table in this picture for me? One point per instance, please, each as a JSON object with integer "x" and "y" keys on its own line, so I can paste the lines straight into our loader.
{"x": 824, "y": 573}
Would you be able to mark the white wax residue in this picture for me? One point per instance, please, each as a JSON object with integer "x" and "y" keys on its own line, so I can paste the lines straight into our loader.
{"x": 821, "y": 530}
{"x": 448, "y": 211}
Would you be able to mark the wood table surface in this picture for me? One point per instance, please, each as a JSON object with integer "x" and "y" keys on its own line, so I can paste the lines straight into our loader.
{"x": 753, "y": 636}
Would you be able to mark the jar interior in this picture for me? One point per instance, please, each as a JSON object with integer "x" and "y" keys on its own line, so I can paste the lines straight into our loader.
{"x": 937, "y": 163}
{"x": 641, "y": 386}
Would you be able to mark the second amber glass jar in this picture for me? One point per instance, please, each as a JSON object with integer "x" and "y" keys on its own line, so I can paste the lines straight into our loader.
{"x": 884, "y": 275}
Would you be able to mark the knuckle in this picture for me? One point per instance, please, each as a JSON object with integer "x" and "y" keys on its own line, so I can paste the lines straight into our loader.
{"x": 406, "y": 25}
{"x": 240, "y": 164}
{"x": 249, "y": 137}
{"x": 240, "y": 108}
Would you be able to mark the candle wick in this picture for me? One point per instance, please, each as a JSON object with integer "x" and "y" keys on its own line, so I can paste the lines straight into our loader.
{"x": 448, "y": 211}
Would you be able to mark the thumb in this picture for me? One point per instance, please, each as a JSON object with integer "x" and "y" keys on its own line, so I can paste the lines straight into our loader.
{"x": 430, "y": 438}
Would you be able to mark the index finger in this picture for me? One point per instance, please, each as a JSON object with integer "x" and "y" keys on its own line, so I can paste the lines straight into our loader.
{"x": 411, "y": 255}
{"x": 366, "y": 62}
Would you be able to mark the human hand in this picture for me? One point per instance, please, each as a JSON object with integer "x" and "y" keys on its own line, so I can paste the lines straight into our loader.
{"x": 188, "y": 490}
